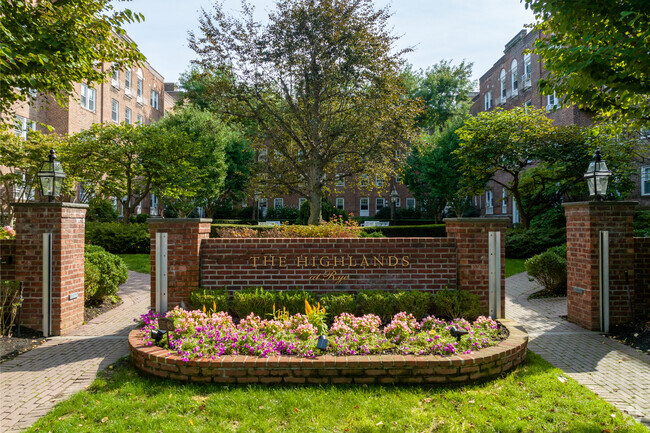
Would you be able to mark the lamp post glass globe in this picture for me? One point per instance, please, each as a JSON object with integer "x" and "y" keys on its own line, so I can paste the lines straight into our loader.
{"x": 51, "y": 177}
{"x": 597, "y": 176}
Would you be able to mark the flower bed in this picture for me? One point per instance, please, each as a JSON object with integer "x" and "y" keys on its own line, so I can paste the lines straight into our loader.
{"x": 283, "y": 349}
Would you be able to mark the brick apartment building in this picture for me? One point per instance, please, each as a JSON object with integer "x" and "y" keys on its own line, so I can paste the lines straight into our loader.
{"x": 135, "y": 95}
{"x": 512, "y": 82}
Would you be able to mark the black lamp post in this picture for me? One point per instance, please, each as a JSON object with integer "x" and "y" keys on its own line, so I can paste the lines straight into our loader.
{"x": 393, "y": 201}
{"x": 597, "y": 176}
{"x": 51, "y": 177}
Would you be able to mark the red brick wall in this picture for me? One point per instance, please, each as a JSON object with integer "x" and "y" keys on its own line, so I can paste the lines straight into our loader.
{"x": 66, "y": 222}
{"x": 642, "y": 276}
{"x": 584, "y": 222}
{"x": 184, "y": 243}
{"x": 326, "y": 264}
{"x": 8, "y": 249}
{"x": 471, "y": 235}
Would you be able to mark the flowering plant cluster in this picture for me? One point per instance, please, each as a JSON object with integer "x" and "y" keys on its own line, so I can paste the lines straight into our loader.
{"x": 7, "y": 232}
{"x": 198, "y": 334}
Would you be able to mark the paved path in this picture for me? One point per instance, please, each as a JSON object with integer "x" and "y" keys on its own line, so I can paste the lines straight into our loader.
{"x": 614, "y": 371}
{"x": 32, "y": 383}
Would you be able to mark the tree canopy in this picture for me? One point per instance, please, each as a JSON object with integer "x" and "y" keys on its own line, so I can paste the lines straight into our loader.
{"x": 596, "y": 52}
{"x": 321, "y": 83}
{"x": 49, "y": 45}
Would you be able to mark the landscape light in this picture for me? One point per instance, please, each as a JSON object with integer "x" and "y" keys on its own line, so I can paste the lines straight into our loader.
{"x": 457, "y": 333}
{"x": 597, "y": 176}
{"x": 51, "y": 177}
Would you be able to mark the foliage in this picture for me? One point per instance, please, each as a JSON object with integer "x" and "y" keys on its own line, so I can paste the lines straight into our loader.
{"x": 538, "y": 401}
{"x": 522, "y": 243}
{"x": 332, "y": 229}
{"x": 289, "y": 214}
{"x": 140, "y": 218}
{"x": 11, "y": 299}
{"x": 50, "y": 46}
{"x": 596, "y": 54}
{"x": 425, "y": 231}
{"x": 456, "y": 303}
{"x": 328, "y": 211}
{"x": 642, "y": 223}
{"x": 255, "y": 300}
{"x": 414, "y": 302}
{"x": 316, "y": 315}
{"x": 101, "y": 210}
{"x": 7, "y": 232}
{"x": 137, "y": 262}
{"x": 211, "y": 301}
{"x": 379, "y": 302}
{"x": 117, "y": 238}
{"x": 444, "y": 90}
{"x": 371, "y": 234}
{"x": 337, "y": 303}
{"x": 112, "y": 272}
{"x": 549, "y": 269}
{"x": 321, "y": 86}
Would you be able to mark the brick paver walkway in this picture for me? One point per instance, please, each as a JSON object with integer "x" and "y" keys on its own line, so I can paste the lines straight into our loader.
{"x": 32, "y": 383}
{"x": 617, "y": 373}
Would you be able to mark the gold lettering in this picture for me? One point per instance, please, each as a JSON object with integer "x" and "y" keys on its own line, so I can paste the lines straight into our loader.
{"x": 336, "y": 261}
{"x": 378, "y": 261}
{"x": 364, "y": 261}
{"x": 390, "y": 261}
{"x": 327, "y": 262}
{"x": 266, "y": 260}
{"x": 282, "y": 261}
{"x": 302, "y": 263}
{"x": 254, "y": 258}
{"x": 313, "y": 262}
{"x": 350, "y": 262}
{"x": 405, "y": 261}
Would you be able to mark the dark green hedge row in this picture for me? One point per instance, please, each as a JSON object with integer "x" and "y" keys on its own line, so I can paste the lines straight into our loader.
{"x": 118, "y": 238}
{"x": 522, "y": 243}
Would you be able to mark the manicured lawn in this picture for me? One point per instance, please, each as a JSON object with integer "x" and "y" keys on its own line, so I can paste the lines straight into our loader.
{"x": 532, "y": 398}
{"x": 515, "y": 266}
{"x": 137, "y": 262}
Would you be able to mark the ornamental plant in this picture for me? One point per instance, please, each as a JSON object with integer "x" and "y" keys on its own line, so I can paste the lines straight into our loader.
{"x": 7, "y": 232}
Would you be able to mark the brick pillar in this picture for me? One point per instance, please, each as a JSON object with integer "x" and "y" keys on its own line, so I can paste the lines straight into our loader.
{"x": 471, "y": 235}
{"x": 66, "y": 223}
{"x": 184, "y": 238}
{"x": 584, "y": 221}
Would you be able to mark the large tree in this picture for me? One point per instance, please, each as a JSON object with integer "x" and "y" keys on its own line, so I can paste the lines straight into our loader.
{"x": 321, "y": 82}
{"x": 596, "y": 52}
{"x": 48, "y": 45}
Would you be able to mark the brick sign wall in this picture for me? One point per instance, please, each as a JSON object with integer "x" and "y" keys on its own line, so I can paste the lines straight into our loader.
{"x": 347, "y": 264}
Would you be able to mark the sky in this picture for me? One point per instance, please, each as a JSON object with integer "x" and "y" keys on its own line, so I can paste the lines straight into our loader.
{"x": 473, "y": 30}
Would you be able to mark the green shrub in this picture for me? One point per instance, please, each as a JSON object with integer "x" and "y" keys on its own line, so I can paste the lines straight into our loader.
{"x": 253, "y": 300}
{"x": 522, "y": 243}
{"x": 140, "y": 218}
{"x": 101, "y": 210}
{"x": 642, "y": 223}
{"x": 213, "y": 300}
{"x": 414, "y": 302}
{"x": 283, "y": 214}
{"x": 377, "y": 302}
{"x": 413, "y": 231}
{"x": 236, "y": 230}
{"x": 371, "y": 234}
{"x": 112, "y": 272}
{"x": 119, "y": 238}
{"x": 91, "y": 279}
{"x": 452, "y": 304}
{"x": 327, "y": 211}
{"x": 338, "y": 303}
{"x": 293, "y": 300}
{"x": 11, "y": 298}
{"x": 549, "y": 269}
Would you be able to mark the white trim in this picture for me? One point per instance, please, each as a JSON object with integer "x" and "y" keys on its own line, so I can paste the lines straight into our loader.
{"x": 645, "y": 180}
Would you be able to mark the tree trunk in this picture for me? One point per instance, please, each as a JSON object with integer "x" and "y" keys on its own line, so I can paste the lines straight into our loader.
{"x": 315, "y": 196}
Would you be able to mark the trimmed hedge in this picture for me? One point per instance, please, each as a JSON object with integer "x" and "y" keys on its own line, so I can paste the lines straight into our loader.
{"x": 414, "y": 231}
{"x": 104, "y": 272}
{"x": 522, "y": 243}
{"x": 118, "y": 238}
{"x": 549, "y": 269}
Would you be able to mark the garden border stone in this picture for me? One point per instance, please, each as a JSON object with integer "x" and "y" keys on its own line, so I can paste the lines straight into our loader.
{"x": 374, "y": 369}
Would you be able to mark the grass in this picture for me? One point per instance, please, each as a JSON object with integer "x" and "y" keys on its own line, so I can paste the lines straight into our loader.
{"x": 137, "y": 262}
{"x": 515, "y": 266}
{"x": 531, "y": 398}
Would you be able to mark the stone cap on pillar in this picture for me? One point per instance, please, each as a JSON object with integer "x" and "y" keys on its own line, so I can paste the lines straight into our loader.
{"x": 600, "y": 203}
{"x": 51, "y": 204}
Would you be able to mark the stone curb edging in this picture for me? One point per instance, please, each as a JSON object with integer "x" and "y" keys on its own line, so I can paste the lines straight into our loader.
{"x": 377, "y": 369}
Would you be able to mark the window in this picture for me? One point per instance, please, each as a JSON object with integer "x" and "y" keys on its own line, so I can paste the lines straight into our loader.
{"x": 127, "y": 82}
{"x": 23, "y": 187}
{"x": 33, "y": 93}
{"x": 154, "y": 99}
{"x": 528, "y": 69}
{"x": 262, "y": 155}
{"x": 410, "y": 203}
{"x": 364, "y": 180}
{"x": 88, "y": 97}
{"x": 489, "y": 202}
{"x": 263, "y": 205}
{"x": 115, "y": 78}
{"x": 551, "y": 101}
{"x": 398, "y": 201}
{"x": 140, "y": 119}
{"x": 645, "y": 180}
{"x": 364, "y": 207}
{"x": 127, "y": 115}
{"x": 515, "y": 213}
{"x": 514, "y": 78}
{"x": 504, "y": 201}
{"x": 340, "y": 203}
{"x": 502, "y": 80}
{"x": 301, "y": 200}
{"x": 488, "y": 101}
{"x": 153, "y": 208}
{"x": 115, "y": 107}
{"x": 379, "y": 181}
{"x": 278, "y": 203}
{"x": 379, "y": 204}
{"x": 23, "y": 125}
{"x": 139, "y": 86}
{"x": 340, "y": 180}
{"x": 528, "y": 103}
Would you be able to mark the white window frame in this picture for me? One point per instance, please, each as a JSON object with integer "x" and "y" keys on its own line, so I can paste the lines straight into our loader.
{"x": 263, "y": 206}
{"x": 340, "y": 203}
{"x": 514, "y": 79}
{"x": 365, "y": 180}
{"x": 154, "y": 99}
{"x": 22, "y": 126}
{"x": 515, "y": 213}
{"x": 551, "y": 101}
{"x": 488, "y": 100}
{"x": 278, "y": 203}
{"x": 504, "y": 90}
{"x": 489, "y": 202}
{"x": 115, "y": 78}
{"x": 127, "y": 115}
{"x": 398, "y": 201}
{"x": 380, "y": 203}
{"x": 363, "y": 200}
{"x": 340, "y": 180}
{"x": 115, "y": 111}
{"x": 504, "y": 201}
{"x": 153, "y": 206}
{"x": 301, "y": 200}
{"x": 139, "y": 87}
{"x": 379, "y": 181}
{"x": 128, "y": 75}
{"x": 88, "y": 97}
{"x": 410, "y": 203}
{"x": 645, "y": 180}
{"x": 140, "y": 119}
{"x": 526, "y": 78}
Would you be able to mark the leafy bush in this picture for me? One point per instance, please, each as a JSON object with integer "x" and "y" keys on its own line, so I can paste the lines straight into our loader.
{"x": 332, "y": 229}
{"x": 377, "y": 302}
{"x": 254, "y": 300}
{"x": 338, "y": 303}
{"x": 453, "y": 304}
{"x": 118, "y": 238}
{"x": 140, "y": 218}
{"x": 112, "y": 272}
{"x": 293, "y": 300}
{"x": 91, "y": 279}
{"x": 414, "y": 231}
{"x": 371, "y": 234}
{"x": 283, "y": 214}
{"x": 11, "y": 298}
{"x": 328, "y": 210}
{"x": 213, "y": 300}
{"x": 101, "y": 210}
{"x": 642, "y": 223}
{"x": 170, "y": 212}
{"x": 414, "y": 302}
{"x": 522, "y": 243}
{"x": 549, "y": 269}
